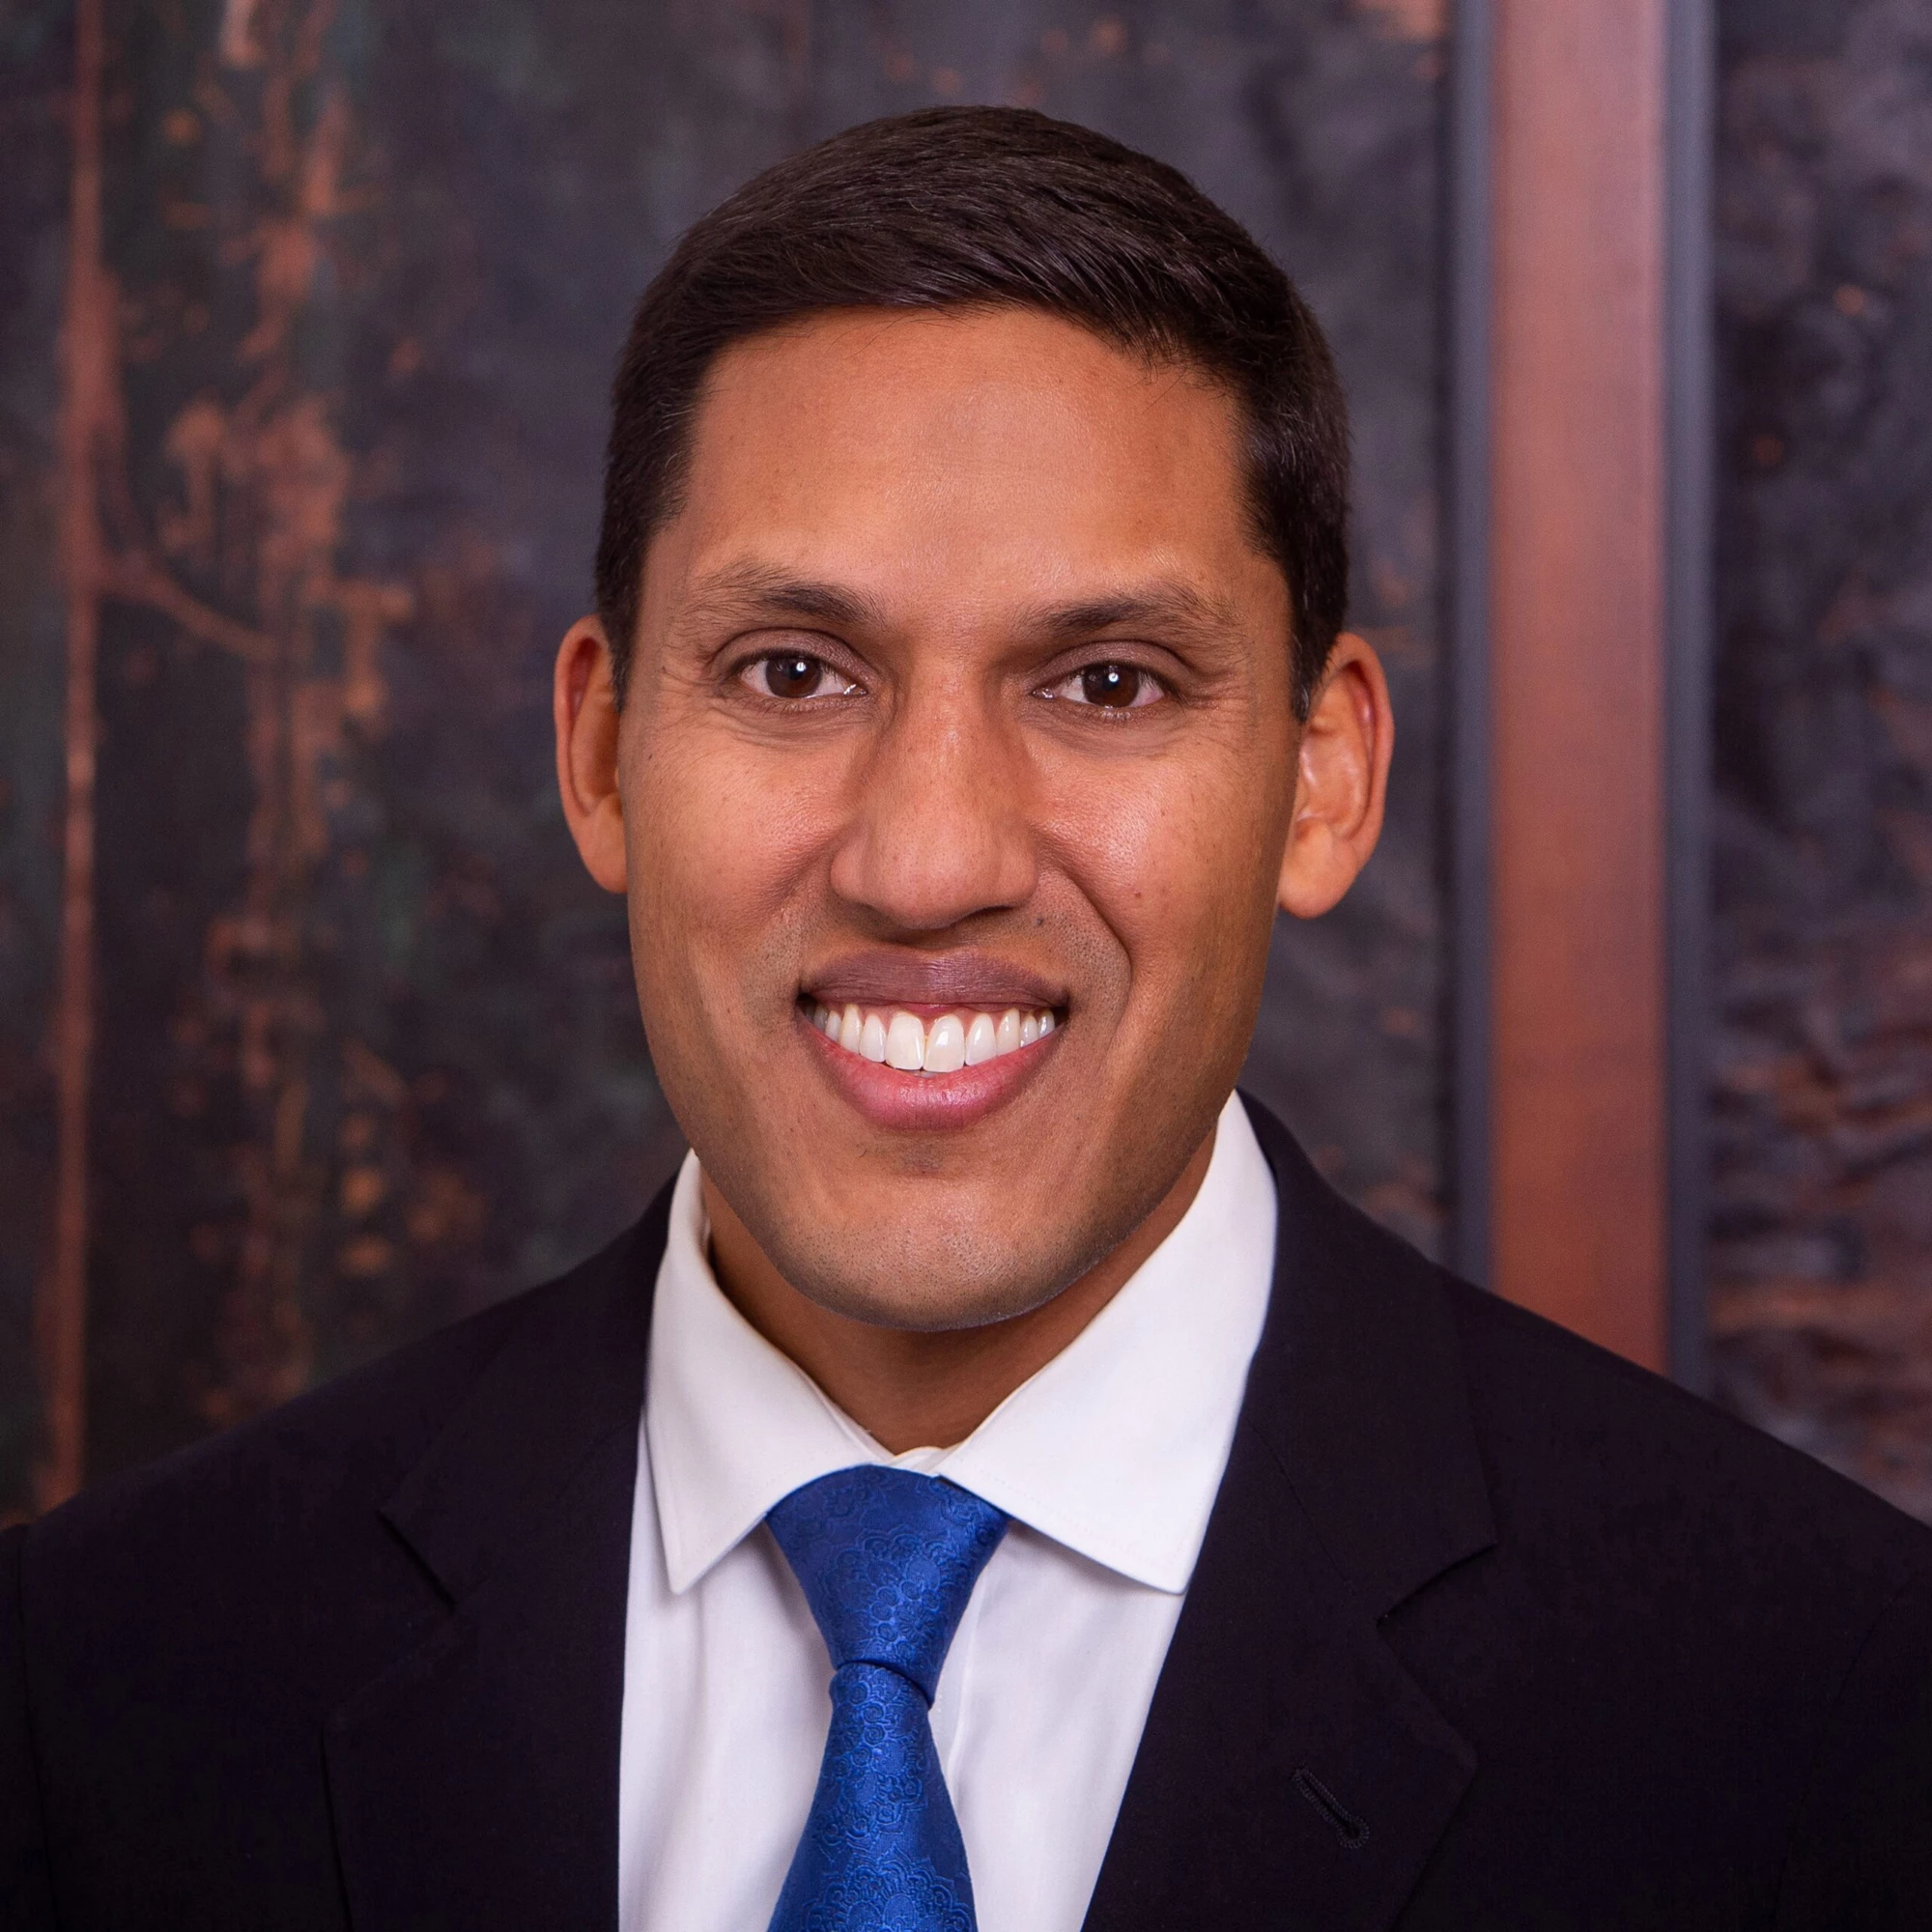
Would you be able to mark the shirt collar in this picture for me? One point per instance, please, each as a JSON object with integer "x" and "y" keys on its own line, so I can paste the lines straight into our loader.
{"x": 1114, "y": 1449}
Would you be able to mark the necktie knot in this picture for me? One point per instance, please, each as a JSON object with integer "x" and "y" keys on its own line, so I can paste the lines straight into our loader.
{"x": 887, "y": 1559}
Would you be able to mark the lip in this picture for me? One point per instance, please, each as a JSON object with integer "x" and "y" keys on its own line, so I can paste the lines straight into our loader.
{"x": 931, "y": 984}
{"x": 927, "y": 1102}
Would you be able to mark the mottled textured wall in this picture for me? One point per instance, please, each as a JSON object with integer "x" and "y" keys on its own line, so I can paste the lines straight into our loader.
{"x": 1823, "y": 1240}
{"x": 366, "y": 1050}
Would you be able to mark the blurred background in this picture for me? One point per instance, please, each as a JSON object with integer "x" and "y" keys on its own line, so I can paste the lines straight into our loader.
{"x": 314, "y": 1035}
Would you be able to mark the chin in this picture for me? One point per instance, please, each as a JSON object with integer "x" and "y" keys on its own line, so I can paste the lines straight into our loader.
{"x": 927, "y": 1282}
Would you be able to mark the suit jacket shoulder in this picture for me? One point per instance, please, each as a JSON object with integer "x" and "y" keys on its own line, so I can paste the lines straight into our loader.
{"x": 1757, "y": 1630}
{"x": 1490, "y": 1627}
{"x": 1576, "y": 1437}
{"x": 178, "y": 1639}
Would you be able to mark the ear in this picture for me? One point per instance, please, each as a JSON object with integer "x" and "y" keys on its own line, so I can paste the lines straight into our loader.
{"x": 1340, "y": 782}
{"x": 584, "y": 704}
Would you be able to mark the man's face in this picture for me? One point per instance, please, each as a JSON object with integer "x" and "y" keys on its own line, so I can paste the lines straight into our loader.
{"x": 959, "y": 691}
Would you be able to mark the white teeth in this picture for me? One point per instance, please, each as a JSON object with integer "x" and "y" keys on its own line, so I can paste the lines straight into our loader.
{"x": 946, "y": 1044}
{"x": 953, "y": 1040}
{"x": 905, "y": 1043}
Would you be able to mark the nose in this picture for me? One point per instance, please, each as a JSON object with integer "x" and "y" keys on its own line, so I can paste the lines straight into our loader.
{"x": 940, "y": 830}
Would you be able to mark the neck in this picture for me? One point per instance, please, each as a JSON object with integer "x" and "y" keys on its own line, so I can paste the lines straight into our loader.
{"x": 916, "y": 1388}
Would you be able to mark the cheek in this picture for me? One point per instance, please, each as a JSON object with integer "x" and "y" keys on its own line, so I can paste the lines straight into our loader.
{"x": 1175, "y": 858}
{"x": 719, "y": 848}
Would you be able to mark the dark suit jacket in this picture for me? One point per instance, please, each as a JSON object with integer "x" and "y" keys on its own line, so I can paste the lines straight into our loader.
{"x": 1489, "y": 1630}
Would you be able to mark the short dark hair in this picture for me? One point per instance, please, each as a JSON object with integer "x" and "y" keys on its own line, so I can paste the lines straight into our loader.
{"x": 991, "y": 206}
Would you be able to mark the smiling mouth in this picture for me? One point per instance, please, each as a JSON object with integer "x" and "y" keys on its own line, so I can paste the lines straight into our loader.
{"x": 891, "y": 1036}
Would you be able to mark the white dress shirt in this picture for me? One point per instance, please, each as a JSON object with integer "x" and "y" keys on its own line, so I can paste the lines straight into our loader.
{"x": 1107, "y": 1461}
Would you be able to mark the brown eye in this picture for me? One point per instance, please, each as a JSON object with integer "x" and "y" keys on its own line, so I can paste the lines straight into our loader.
{"x": 1110, "y": 686}
{"x": 1113, "y": 685}
{"x": 795, "y": 677}
{"x": 792, "y": 675}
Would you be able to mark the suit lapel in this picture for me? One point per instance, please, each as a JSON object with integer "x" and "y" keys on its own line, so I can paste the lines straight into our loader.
{"x": 474, "y": 1783}
{"x": 1291, "y": 1774}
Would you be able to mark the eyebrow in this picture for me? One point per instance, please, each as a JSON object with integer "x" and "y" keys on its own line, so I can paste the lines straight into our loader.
{"x": 1162, "y": 606}
{"x": 765, "y": 590}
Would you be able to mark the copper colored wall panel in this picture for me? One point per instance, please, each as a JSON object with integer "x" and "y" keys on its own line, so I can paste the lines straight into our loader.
{"x": 1576, "y": 644}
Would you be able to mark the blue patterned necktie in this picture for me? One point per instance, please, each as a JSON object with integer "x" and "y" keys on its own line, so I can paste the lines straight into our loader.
{"x": 887, "y": 1559}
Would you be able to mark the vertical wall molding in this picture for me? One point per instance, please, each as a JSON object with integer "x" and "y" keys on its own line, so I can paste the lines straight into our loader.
{"x": 1577, "y": 635}
{"x": 1690, "y": 455}
{"x": 1469, "y": 256}
{"x": 1579, "y": 530}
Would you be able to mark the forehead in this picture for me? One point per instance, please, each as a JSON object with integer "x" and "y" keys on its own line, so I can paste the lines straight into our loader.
{"x": 976, "y": 450}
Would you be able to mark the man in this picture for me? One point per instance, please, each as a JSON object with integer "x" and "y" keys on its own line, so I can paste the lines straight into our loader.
{"x": 999, "y": 1484}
